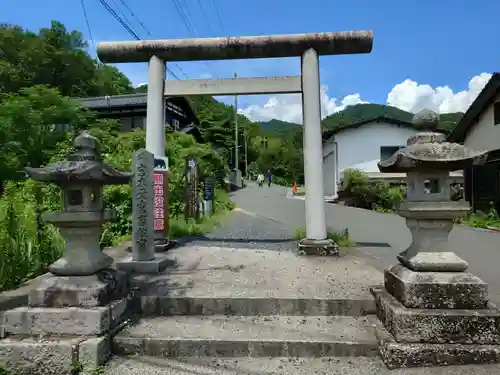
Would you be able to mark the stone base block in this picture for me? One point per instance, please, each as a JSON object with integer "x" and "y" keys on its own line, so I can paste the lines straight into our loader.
{"x": 63, "y": 321}
{"x": 434, "y": 262}
{"x": 318, "y": 247}
{"x": 400, "y": 355}
{"x": 80, "y": 291}
{"x": 437, "y": 326}
{"x": 164, "y": 246}
{"x": 436, "y": 290}
{"x": 154, "y": 266}
{"x": 53, "y": 355}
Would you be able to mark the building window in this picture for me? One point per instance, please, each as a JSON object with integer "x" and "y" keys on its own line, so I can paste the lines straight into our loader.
{"x": 175, "y": 124}
{"x": 138, "y": 122}
{"x": 387, "y": 151}
{"x": 496, "y": 113}
{"x": 126, "y": 124}
{"x": 62, "y": 127}
{"x": 130, "y": 123}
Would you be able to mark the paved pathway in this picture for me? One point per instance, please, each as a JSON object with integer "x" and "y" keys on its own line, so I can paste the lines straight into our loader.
{"x": 381, "y": 236}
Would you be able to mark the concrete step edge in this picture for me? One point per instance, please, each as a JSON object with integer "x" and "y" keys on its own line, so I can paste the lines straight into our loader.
{"x": 244, "y": 306}
{"x": 180, "y": 347}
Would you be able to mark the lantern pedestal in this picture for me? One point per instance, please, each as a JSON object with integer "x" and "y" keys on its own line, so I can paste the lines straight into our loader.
{"x": 82, "y": 232}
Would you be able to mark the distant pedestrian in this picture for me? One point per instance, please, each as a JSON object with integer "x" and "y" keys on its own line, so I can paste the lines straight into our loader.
{"x": 260, "y": 179}
{"x": 269, "y": 177}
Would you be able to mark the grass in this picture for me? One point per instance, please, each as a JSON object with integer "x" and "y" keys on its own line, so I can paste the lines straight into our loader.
{"x": 480, "y": 219}
{"x": 179, "y": 228}
{"x": 341, "y": 238}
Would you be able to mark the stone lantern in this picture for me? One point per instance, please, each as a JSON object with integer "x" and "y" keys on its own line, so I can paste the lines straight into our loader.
{"x": 81, "y": 179}
{"x": 433, "y": 311}
{"x": 71, "y": 313}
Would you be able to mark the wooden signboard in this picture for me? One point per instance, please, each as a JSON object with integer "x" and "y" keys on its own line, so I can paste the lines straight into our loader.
{"x": 191, "y": 200}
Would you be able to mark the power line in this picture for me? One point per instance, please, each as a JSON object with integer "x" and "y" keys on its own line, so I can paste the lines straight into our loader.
{"x": 118, "y": 18}
{"x": 185, "y": 20}
{"x": 182, "y": 71}
{"x": 191, "y": 29}
{"x": 147, "y": 31}
{"x": 133, "y": 15}
{"x": 205, "y": 17}
{"x": 218, "y": 16}
{"x": 88, "y": 23}
{"x": 123, "y": 16}
{"x": 130, "y": 31}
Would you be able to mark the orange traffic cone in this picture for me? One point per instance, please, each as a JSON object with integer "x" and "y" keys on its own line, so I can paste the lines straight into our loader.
{"x": 294, "y": 189}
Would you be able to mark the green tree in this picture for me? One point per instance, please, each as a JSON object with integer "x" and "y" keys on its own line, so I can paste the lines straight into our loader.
{"x": 55, "y": 57}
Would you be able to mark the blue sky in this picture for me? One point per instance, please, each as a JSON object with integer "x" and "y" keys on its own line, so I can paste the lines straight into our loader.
{"x": 425, "y": 52}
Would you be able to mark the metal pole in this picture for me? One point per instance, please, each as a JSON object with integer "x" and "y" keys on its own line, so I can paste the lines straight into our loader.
{"x": 246, "y": 152}
{"x": 155, "y": 113}
{"x": 313, "y": 148}
{"x": 236, "y": 146}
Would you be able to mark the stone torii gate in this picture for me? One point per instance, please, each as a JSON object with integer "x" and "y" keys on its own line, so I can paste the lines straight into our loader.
{"x": 308, "y": 46}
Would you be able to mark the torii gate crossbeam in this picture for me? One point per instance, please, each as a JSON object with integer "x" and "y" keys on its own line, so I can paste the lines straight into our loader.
{"x": 308, "y": 46}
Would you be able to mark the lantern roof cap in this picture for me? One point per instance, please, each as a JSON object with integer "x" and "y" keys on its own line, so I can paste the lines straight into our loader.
{"x": 84, "y": 164}
{"x": 429, "y": 151}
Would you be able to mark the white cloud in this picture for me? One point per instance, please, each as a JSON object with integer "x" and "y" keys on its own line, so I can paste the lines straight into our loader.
{"x": 412, "y": 97}
{"x": 289, "y": 107}
{"x": 408, "y": 95}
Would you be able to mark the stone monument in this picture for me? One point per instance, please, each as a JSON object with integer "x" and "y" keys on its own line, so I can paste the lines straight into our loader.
{"x": 72, "y": 311}
{"x": 143, "y": 259}
{"x": 433, "y": 311}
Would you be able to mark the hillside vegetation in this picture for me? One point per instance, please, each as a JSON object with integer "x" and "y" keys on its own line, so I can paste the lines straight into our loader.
{"x": 359, "y": 113}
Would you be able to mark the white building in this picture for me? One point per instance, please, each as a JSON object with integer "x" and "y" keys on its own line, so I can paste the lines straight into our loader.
{"x": 361, "y": 146}
{"x": 479, "y": 129}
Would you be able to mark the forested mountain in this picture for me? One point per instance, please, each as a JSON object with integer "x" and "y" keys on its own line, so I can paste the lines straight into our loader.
{"x": 277, "y": 127}
{"x": 363, "y": 112}
{"x": 358, "y": 113}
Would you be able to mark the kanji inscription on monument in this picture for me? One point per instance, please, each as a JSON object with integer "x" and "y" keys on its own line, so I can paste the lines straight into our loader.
{"x": 142, "y": 206}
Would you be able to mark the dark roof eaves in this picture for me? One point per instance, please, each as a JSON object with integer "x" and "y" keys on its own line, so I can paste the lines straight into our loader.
{"x": 484, "y": 98}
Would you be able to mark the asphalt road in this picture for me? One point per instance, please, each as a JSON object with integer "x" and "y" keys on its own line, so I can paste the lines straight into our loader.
{"x": 379, "y": 236}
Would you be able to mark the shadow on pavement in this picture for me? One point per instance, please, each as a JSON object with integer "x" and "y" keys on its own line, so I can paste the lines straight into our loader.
{"x": 371, "y": 244}
{"x": 190, "y": 239}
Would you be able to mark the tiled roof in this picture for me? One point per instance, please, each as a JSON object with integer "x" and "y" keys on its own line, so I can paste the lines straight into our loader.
{"x": 114, "y": 101}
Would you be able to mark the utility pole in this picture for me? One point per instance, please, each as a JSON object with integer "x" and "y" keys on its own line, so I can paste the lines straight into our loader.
{"x": 236, "y": 146}
{"x": 246, "y": 151}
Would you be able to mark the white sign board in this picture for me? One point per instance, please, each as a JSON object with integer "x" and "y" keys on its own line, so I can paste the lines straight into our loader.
{"x": 161, "y": 164}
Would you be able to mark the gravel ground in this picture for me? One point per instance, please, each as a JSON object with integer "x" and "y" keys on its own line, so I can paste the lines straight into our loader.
{"x": 245, "y": 230}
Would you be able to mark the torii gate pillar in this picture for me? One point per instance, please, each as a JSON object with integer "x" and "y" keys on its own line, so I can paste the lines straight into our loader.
{"x": 316, "y": 231}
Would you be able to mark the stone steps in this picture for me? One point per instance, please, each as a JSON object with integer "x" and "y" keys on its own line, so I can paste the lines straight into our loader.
{"x": 277, "y": 366}
{"x": 251, "y": 306}
{"x": 252, "y": 336}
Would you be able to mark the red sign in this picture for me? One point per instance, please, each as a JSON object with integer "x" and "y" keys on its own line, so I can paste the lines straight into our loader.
{"x": 159, "y": 201}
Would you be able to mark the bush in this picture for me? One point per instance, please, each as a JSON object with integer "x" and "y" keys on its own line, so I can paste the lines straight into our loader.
{"x": 363, "y": 194}
{"x": 480, "y": 219}
{"x": 27, "y": 245}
